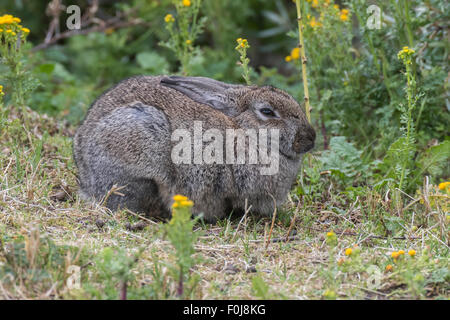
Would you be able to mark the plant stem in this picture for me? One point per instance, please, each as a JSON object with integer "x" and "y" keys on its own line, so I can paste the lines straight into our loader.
{"x": 410, "y": 93}
{"x": 304, "y": 60}
{"x": 123, "y": 290}
{"x": 246, "y": 75}
{"x": 408, "y": 25}
{"x": 180, "y": 283}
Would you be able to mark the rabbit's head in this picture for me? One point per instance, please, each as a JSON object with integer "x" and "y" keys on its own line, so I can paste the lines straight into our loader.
{"x": 253, "y": 107}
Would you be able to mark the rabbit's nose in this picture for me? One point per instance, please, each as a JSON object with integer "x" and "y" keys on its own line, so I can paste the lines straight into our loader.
{"x": 304, "y": 139}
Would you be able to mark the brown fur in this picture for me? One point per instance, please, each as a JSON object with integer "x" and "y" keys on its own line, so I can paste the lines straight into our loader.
{"x": 125, "y": 140}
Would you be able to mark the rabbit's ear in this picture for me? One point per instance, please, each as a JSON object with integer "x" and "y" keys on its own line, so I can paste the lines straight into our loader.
{"x": 202, "y": 90}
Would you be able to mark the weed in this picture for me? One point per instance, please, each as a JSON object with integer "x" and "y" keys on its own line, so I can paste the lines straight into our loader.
{"x": 12, "y": 48}
{"x": 242, "y": 47}
{"x": 181, "y": 236}
{"x": 184, "y": 30}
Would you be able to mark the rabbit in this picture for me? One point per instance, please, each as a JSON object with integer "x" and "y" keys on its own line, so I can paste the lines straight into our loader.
{"x": 126, "y": 141}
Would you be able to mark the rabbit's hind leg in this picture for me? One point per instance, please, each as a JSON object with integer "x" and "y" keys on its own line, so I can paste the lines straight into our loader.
{"x": 128, "y": 159}
{"x": 141, "y": 196}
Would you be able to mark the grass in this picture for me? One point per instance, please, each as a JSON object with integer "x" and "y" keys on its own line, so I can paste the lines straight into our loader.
{"x": 45, "y": 229}
{"x": 349, "y": 230}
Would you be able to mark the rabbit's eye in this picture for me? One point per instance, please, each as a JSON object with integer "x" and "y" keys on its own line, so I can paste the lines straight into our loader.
{"x": 267, "y": 112}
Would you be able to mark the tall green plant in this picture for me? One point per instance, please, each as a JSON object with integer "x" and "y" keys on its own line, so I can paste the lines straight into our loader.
{"x": 12, "y": 48}
{"x": 303, "y": 59}
{"x": 115, "y": 271}
{"x": 406, "y": 118}
{"x": 242, "y": 47}
{"x": 181, "y": 236}
{"x": 184, "y": 30}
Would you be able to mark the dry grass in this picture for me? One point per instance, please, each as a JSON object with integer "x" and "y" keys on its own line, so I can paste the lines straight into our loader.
{"x": 38, "y": 201}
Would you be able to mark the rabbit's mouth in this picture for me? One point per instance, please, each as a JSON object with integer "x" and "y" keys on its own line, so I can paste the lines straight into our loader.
{"x": 291, "y": 155}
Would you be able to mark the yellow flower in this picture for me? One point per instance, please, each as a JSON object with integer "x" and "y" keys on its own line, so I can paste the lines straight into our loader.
{"x": 188, "y": 41}
{"x": 180, "y": 198}
{"x": 109, "y": 31}
{"x": 395, "y": 254}
{"x": 243, "y": 43}
{"x": 295, "y": 53}
{"x": 408, "y": 50}
{"x": 5, "y": 20}
{"x": 401, "y": 252}
{"x": 344, "y": 11}
{"x": 11, "y": 32}
{"x": 343, "y": 17}
{"x": 444, "y": 185}
{"x": 186, "y": 203}
{"x": 336, "y": 6}
{"x": 412, "y": 252}
{"x": 314, "y": 23}
{"x": 1, "y": 91}
{"x": 187, "y": 3}
{"x": 26, "y": 30}
{"x": 181, "y": 202}
{"x": 388, "y": 268}
{"x": 288, "y": 58}
{"x": 9, "y": 19}
{"x": 330, "y": 294}
{"x": 169, "y": 18}
{"x": 348, "y": 251}
{"x": 331, "y": 238}
{"x": 315, "y": 3}
{"x": 405, "y": 53}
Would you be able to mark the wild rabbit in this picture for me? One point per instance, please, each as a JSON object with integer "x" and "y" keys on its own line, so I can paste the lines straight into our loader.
{"x": 130, "y": 135}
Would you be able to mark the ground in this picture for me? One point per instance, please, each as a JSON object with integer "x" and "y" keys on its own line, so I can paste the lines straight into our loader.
{"x": 45, "y": 229}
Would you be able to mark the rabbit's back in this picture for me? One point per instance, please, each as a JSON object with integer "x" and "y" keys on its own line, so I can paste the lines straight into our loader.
{"x": 148, "y": 90}
{"x": 125, "y": 140}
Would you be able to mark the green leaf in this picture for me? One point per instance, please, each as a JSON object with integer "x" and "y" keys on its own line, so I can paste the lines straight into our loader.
{"x": 436, "y": 159}
{"x": 152, "y": 62}
{"x": 394, "y": 224}
{"x": 343, "y": 160}
{"x": 61, "y": 72}
{"x": 391, "y": 164}
{"x": 441, "y": 275}
{"x": 47, "y": 68}
{"x": 260, "y": 288}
